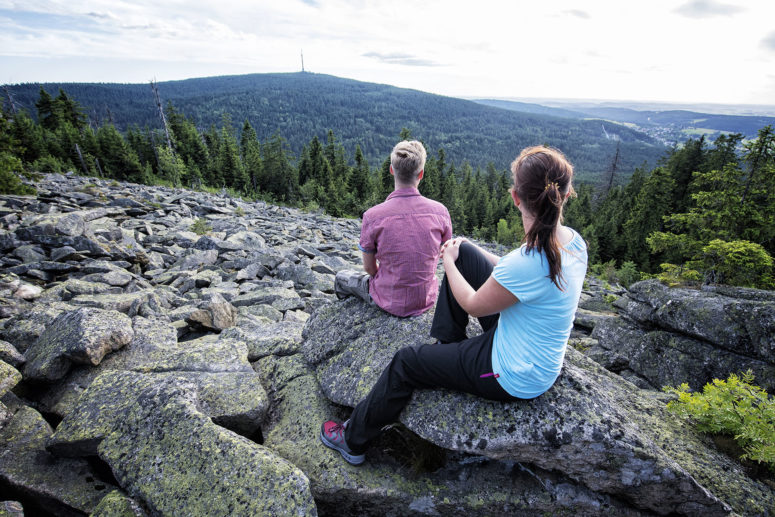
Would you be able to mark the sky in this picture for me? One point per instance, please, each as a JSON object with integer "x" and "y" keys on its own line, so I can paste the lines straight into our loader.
{"x": 684, "y": 51}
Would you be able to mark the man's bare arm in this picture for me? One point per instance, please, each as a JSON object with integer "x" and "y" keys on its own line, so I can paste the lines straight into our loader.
{"x": 370, "y": 263}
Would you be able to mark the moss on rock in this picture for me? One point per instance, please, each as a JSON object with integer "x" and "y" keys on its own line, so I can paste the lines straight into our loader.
{"x": 168, "y": 454}
{"x": 58, "y": 485}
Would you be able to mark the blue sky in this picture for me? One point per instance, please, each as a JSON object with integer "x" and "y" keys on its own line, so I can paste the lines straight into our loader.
{"x": 693, "y": 51}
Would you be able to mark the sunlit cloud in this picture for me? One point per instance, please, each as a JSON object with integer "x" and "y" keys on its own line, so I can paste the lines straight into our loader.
{"x": 707, "y": 9}
{"x": 769, "y": 42}
{"x": 400, "y": 59}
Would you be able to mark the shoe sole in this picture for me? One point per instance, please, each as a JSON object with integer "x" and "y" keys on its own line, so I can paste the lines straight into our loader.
{"x": 349, "y": 458}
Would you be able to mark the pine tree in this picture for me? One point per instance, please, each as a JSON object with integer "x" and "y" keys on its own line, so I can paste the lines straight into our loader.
{"x": 49, "y": 116}
{"x": 251, "y": 155}
{"x": 279, "y": 178}
{"x": 119, "y": 161}
{"x": 360, "y": 184}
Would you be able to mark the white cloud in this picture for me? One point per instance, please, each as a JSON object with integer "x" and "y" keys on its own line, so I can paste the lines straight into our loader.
{"x": 707, "y": 9}
{"x": 606, "y": 49}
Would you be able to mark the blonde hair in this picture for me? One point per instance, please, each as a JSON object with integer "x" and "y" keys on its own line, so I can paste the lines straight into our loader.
{"x": 408, "y": 159}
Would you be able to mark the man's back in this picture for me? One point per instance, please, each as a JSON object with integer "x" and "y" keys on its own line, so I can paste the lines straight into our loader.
{"x": 405, "y": 232}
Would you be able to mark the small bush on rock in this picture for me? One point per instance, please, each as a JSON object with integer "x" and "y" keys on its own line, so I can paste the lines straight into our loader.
{"x": 200, "y": 226}
{"x": 733, "y": 407}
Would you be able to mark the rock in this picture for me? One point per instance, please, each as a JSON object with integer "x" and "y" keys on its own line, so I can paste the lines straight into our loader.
{"x": 26, "y": 328}
{"x": 665, "y": 358}
{"x": 196, "y": 259}
{"x": 11, "y": 509}
{"x": 82, "y": 336}
{"x": 591, "y": 425}
{"x": 58, "y": 486}
{"x": 10, "y": 355}
{"x": 305, "y": 278}
{"x": 281, "y": 338}
{"x": 247, "y": 240}
{"x": 9, "y": 377}
{"x": 465, "y": 485}
{"x": 264, "y": 295}
{"x": 235, "y": 400}
{"x": 121, "y": 302}
{"x": 588, "y": 319}
{"x": 165, "y": 452}
{"x": 73, "y": 287}
{"x": 216, "y": 314}
{"x": 116, "y": 504}
{"x": 745, "y": 326}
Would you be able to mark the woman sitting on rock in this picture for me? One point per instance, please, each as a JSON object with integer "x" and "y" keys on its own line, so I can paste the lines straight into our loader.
{"x": 525, "y": 302}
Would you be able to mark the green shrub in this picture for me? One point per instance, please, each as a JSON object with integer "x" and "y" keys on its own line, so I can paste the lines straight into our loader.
{"x": 673, "y": 275}
{"x": 628, "y": 274}
{"x": 200, "y": 226}
{"x": 47, "y": 164}
{"x": 742, "y": 263}
{"x": 734, "y": 407}
{"x": 10, "y": 183}
{"x": 239, "y": 212}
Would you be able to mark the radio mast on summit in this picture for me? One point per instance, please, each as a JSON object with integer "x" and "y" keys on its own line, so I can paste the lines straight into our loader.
{"x": 302, "y": 60}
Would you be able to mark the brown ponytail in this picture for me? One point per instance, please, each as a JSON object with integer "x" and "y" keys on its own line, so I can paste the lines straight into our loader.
{"x": 542, "y": 181}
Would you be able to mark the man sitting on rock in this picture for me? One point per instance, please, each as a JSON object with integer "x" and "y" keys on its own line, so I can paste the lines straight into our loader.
{"x": 400, "y": 241}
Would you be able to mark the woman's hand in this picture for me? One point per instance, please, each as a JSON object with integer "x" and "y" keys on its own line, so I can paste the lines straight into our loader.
{"x": 451, "y": 249}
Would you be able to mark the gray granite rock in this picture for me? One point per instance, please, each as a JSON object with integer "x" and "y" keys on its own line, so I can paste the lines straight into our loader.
{"x": 591, "y": 425}
{"x": 664, "y": 358}
{"x": 743, "y": 325}
{"x": 81, "y": 336}
{"x": 10, "y": 355}
{"x": 59, "y": 486}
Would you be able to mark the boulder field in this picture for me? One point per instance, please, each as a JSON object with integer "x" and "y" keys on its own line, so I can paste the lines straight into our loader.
{"x": 146, "y": 369}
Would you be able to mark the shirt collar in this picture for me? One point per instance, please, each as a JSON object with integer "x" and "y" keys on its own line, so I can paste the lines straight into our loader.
{"x": 404, "y": 192}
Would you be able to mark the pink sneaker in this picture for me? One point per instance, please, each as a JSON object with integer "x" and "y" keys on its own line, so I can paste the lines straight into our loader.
{"x": 332, "y": 435}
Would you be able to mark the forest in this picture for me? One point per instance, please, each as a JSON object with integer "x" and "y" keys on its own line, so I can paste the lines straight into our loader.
{"x": 301, "y": 105}
{"x": 704, "y": 214}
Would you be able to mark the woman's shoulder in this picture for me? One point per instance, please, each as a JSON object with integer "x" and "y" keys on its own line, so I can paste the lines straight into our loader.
{"x": 573, "y": 240}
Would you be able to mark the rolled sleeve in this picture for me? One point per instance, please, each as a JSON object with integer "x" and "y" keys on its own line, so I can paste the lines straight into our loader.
{"x": 447, "y": 229}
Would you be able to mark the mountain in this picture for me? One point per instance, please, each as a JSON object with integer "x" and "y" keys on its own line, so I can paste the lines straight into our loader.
{"x": 302, "y": 105}
{"x": 670, "y": 126}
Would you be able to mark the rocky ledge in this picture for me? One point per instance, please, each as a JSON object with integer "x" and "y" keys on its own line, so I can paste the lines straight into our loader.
{"x": 146, "y": 369}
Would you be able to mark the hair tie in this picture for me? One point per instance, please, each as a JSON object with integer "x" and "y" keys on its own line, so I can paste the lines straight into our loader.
{"x": 552, "y": 184}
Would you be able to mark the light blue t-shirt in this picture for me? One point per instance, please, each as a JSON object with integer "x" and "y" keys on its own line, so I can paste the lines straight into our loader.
{"x": 529, "y": 343}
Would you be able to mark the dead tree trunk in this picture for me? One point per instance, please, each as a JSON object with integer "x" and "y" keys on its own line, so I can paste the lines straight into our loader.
{"x": 612, "y": 171}
{"x": 161, "y": 115}
{"x": 10, "y": 99}
{"x": 80, "y": 157}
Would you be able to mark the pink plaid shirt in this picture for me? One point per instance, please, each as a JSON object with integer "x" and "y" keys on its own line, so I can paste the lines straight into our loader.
{"x": 405, "y": 232}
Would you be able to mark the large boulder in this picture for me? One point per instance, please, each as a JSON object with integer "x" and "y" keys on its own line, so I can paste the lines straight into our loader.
{"x": 83, "y": 336}
{"x": 668, "y": 336}
{"x": 235, "y": 400}
{"x": 591, "y": 425}
{"x": 165, "y": 451}
{"x": 660, "y": 357}
{"x": 741, "y": 321}
{"x": 406, "y": 475}
{"x": 59, "y": 486}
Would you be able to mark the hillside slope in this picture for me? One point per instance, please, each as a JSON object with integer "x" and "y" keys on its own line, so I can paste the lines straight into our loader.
{"x": 302, "y": 105}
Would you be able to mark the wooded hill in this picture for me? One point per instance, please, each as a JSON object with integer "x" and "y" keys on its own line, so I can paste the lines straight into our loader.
{"x": 299, "y": 106}
{"x": 680, "y": 125}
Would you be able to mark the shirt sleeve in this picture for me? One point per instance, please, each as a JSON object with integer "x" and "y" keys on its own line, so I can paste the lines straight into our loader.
{"x": 447, "y": 233}
{"x": 368, "y": 242}
{"x": 523, "y": 274}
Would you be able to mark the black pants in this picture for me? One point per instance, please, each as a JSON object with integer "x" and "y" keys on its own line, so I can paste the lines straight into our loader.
{"x": 461, "y": 365}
